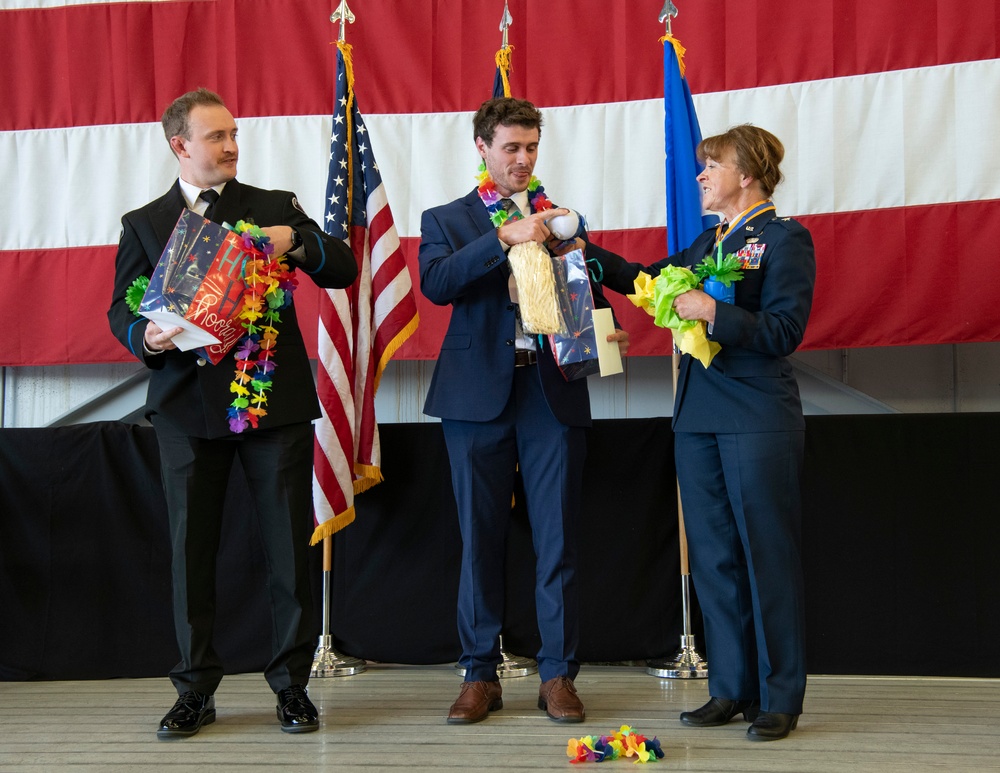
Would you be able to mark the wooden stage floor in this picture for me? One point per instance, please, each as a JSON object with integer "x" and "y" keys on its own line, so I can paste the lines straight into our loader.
{"x": 392, "y": 717}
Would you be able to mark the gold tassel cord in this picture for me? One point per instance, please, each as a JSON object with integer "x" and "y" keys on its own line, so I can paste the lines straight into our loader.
{"x": 678, "y": 49}
{"x": 503, "y": 64}
{"x": 345, "y": 49}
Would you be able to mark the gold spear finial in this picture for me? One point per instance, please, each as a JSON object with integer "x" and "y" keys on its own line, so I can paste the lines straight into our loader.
{"x": 344, "y": 16}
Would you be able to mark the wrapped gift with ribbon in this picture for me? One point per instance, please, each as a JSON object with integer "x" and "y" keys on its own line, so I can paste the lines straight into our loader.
{"x": 198, "y": 285}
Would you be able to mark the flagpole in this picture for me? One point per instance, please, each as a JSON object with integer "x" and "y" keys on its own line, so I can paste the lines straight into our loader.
{"x": 687, "y": 663}
{"x": 328, "y": 661}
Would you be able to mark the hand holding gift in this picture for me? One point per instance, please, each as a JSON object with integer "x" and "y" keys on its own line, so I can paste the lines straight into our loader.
{"x": 657, "y": 294}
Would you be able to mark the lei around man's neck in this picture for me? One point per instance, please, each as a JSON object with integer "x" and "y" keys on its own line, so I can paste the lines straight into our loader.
{"x": 489, "y": 195}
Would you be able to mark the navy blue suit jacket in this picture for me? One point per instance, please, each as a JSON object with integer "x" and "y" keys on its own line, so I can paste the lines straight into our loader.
{"x": 749, "y": 387}
{"x": 462, "y": 264}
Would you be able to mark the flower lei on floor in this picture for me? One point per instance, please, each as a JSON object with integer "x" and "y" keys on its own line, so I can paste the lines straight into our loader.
{"x": 494, "y": 201}
{"x": 269, "y": 287}
{"x": 623, "y": 743}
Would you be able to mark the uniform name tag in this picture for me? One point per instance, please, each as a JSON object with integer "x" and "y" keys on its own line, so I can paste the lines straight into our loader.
{"x": 749, "y": 255}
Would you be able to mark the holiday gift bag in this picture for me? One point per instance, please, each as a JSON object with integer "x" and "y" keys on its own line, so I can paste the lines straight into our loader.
{"x": 198, "y": 285}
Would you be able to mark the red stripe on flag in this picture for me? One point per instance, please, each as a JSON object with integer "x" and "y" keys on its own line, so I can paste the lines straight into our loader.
{"x": 911, "y": 275}
{"x": 335, "y": 432}
{"x": 86, "y": 63}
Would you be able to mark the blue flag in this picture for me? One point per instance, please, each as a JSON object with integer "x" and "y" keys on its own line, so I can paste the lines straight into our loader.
{"x": 681, "y": 137}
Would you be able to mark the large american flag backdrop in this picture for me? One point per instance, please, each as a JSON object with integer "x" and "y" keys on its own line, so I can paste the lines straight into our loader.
{"x": 888, "y": 108}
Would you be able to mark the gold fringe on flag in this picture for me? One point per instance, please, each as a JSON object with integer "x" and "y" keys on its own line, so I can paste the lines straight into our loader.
{"x": 332, "y": 526}
{"x": 393, "y": 346}
{"x": 371, "y": 475}
{"x": 678, "y": 49}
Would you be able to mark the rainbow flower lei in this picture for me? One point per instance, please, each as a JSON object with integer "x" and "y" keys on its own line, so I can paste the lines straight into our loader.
{"x": 623, "y": 743}
{"x": 269, "y": 287}
{"x": 493, "y": 200}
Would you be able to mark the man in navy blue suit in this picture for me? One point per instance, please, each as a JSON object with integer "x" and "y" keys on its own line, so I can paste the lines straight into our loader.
{"x": 503, "y": 403}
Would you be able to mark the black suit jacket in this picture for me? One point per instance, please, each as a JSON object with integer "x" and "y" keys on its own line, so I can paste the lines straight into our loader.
{"x": 183, "y": 388}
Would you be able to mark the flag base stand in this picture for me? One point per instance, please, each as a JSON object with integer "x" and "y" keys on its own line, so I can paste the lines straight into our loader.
{"x": 510, "y": 665}
{"x": 329, "y": 662}
{"x": 686, "y": 664}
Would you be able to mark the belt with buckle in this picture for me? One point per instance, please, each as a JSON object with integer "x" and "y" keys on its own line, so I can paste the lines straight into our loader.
{"x": 524, "y": 357}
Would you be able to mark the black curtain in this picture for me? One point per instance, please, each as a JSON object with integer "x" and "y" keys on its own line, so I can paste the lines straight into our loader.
{"x": 899, "y": 535}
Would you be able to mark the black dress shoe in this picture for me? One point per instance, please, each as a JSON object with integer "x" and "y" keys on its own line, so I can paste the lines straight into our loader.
{"x": 190, "y": 712}
{"x": 770, "y": 726}
{"x": 296, "y": 712}
{"x": 718, "y": 711}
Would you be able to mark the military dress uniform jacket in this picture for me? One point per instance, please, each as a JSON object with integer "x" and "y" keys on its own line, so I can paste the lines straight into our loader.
{"x": 185, "y": 389}
{"x": 749, "y": 387}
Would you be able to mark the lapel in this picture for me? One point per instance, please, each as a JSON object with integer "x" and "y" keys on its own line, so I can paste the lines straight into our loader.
{"x": 481, "y": 222}
{"x": 230, "y": 208}
{"x": 165, "y": 212}
{"x": 477, "y": 213}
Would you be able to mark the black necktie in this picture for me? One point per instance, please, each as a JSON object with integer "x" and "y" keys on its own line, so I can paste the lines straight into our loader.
{"x": 211, "y": 196}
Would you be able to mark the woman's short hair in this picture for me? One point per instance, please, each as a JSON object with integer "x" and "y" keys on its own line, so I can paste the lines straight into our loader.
{"x": 757, "y": 152}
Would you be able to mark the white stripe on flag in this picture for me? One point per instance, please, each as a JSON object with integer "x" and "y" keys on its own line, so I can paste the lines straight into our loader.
{"x": 901, "y": 138}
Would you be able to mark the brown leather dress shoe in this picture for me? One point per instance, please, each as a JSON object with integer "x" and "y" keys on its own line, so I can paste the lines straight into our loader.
{"x": 557, "y": 698}
{"x": 475, "y": 702}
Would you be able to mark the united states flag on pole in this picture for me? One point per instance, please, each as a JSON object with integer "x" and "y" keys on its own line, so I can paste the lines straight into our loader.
{"x": 360, "y": 328}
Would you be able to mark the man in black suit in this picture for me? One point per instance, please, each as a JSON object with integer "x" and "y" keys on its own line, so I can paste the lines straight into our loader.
{"x": 187, "y": 404}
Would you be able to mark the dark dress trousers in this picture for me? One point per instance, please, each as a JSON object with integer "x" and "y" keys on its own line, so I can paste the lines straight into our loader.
{"x": 739, "y": 444}
{"x": 187, "y": 401}
{"x": 495, "y": 418}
